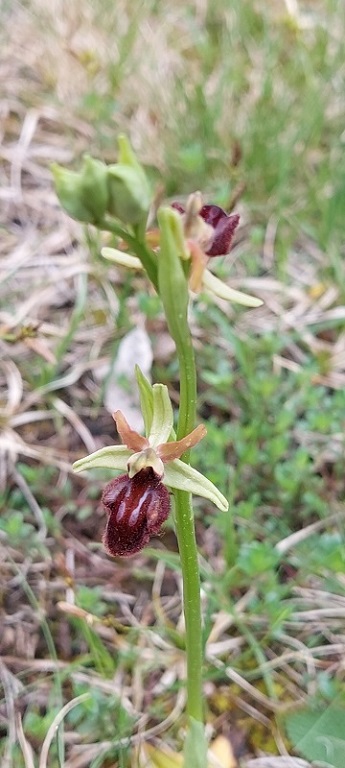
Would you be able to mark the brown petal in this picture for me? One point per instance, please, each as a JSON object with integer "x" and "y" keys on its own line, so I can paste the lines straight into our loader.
{"x": 129, "y": 437}
{"x": 175, "y": 449}
{"x": 199, "y": 261}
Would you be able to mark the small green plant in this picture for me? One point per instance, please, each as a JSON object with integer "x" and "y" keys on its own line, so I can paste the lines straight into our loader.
{"x": 117, "y": 198}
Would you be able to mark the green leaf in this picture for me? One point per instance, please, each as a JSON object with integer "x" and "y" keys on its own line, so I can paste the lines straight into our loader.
{"x": 181, "y": 476}
{"x": 319, "y": 734}
{"x": 195, "y": 748}
{"x": 146, "y": 399}
{"x": 111, "y": 457}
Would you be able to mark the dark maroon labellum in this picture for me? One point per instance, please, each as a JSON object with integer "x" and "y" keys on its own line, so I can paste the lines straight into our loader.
{"x": 223, "y": 225}
{"x": 136, "y": 509}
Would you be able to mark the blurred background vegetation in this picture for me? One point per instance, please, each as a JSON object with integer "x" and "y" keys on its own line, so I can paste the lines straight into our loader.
{"x": 244, "y": 101}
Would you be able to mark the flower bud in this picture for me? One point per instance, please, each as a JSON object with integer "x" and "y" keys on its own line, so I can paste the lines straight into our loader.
{"x": 129, "y": 193}
{"x": 68, "y": 190}
{"x": 83, "y": 195}
{"x": 136, "y": 509}
{"x": 94, "y": 188}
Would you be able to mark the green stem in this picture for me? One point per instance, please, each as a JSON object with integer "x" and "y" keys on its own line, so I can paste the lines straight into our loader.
{"x": 185, "y": 530}
{"x": 173, "y": 290}
{"x": 191, "y": 597}
{"x": 137, "y": 246}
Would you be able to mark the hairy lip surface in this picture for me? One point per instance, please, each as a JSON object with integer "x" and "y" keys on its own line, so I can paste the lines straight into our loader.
{"x": 136, "y": 509}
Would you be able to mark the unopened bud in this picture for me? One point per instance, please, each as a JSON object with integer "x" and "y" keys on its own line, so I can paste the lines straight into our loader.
{"x": 68, "y": 190}
{"x": 83, "y": 195}
{"x": 129, "y": 193}
{"x": 94, "y": 187}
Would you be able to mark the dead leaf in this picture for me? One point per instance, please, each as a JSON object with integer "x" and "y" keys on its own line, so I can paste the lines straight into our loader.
{"x": 221, "y": 751}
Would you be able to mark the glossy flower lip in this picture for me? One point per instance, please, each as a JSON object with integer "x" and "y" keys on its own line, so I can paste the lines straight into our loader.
{"x": 136, "y": 508}
{"x": 222, "y": 226}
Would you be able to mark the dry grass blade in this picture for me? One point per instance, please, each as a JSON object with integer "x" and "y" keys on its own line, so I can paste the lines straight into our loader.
{"x": 278, "y": 762}
{"x": 11, "y": 687}
{"x": 304, "y": 533}
{"x": 55, "y": 724}
{"x": 14, "y": 387}
{"x": 76, "y": 422}
{"x": 82, "y": 756}
{"x": 26, "y": 748}
{"x": 32, "y": 503}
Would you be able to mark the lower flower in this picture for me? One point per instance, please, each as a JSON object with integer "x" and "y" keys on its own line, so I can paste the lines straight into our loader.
{"x": 138, "y": 502}
{"x": 136, "y": 509}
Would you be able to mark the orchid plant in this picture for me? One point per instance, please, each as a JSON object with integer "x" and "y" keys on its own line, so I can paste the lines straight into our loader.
{"x": 175, "y": 256}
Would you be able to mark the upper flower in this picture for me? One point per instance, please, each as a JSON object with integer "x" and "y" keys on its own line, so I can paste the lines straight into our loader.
{"x": 138, "y": 501}
{"x": 208, "y": 231}
{"x": 201, "y": 231}
{"x": 220, "y": 229}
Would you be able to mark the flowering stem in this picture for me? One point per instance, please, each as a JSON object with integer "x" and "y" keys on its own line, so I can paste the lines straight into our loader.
{"x": 173, "y": 291}
{"x": 185, "y": 530}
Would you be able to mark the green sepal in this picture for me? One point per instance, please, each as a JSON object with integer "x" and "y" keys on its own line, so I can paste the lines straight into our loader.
{"x": 122, "y": 258}
{"x": 146, "y": 399}
{"x": 112, "y": 457}
{"x": 126, "y": 155}
{"x": 183, "y": 477}
{"x": 216, "y": 287}
{"x": 163, "y": 417}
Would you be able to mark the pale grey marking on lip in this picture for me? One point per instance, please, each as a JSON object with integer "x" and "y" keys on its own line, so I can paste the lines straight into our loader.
{"x": 136, "y": 511}
{"x": 121, "y": 511}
